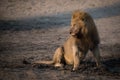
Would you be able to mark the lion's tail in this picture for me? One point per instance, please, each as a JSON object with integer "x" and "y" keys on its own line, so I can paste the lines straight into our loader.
{"x": 44, "y": 62}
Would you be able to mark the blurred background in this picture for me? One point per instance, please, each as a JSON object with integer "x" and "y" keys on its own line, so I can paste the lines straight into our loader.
{"x": 33, "y": 29}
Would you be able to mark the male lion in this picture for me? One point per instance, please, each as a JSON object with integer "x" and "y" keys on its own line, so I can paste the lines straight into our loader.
{"x": 83, "y": 37}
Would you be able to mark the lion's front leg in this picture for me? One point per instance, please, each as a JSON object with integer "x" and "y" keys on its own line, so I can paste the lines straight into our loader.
{"x": 76, "y": 59}
{"x": 76, "y": 62}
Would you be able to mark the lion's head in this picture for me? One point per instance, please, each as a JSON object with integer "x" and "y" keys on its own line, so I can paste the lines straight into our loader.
{"x": 78, "y": 24}
{"x": 83, "y": 26}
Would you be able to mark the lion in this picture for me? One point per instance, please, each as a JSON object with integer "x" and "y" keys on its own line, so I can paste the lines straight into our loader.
{"x": 83, "y": 37}
{"x": 89, "y": 31}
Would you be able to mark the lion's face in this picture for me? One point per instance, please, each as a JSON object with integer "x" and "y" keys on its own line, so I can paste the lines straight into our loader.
{"x": 75, "y": 28}
{"x": 78, "y": 24}
{"x": 78, "y": 28}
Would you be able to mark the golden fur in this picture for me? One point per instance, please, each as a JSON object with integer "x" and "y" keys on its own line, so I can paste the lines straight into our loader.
{"x": 83, "y": 37}
{"x": 88, "y": 29}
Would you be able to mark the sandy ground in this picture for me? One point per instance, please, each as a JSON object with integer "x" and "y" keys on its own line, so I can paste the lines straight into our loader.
{"x": 32, "y": 29}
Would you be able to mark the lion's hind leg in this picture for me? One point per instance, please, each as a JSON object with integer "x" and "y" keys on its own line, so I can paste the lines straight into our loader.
{"x": 58, "y": 57}
{"x": 96, "y": 54}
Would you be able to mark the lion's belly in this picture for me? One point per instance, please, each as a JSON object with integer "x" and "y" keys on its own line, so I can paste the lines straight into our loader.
{"x": 68, "y": 55}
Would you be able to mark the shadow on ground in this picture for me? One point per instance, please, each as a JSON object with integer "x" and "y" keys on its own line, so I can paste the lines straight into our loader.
{"x": 59, "y": 20}
{"x": 111, "y": 67}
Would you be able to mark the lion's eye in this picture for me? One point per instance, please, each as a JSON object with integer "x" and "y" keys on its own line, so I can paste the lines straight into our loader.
{"x": 73, "y": 24}
{"x": 83, "y": 19}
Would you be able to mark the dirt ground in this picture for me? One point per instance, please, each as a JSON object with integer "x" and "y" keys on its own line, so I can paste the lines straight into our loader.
{"x": 31, "y": 30}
